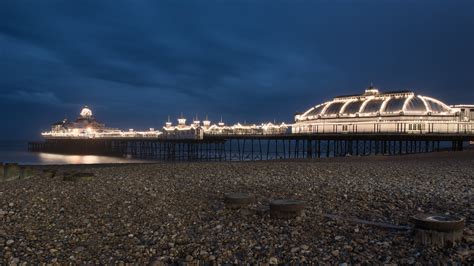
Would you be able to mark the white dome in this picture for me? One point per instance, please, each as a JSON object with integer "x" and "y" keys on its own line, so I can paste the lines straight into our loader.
{"x": 374, "y": 103}
{"x": 86, "y": 112}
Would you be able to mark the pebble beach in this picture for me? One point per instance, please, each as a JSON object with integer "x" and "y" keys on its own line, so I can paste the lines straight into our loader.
{"x": 167, "y": 213}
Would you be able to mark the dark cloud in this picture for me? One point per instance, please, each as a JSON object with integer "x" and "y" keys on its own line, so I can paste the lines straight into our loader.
{"x": 137, "y": 62}
{"x": 39, "y": 97}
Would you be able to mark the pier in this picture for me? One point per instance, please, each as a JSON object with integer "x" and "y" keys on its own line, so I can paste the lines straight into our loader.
{"x": 257, "y": 147}
{"x": 371, "y": 123}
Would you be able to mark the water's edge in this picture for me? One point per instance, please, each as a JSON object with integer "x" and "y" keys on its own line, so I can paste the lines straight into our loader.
{"x": 15, "y": 151}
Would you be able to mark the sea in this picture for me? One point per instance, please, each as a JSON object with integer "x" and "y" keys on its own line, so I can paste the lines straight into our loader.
{"x": 16, "y": 151}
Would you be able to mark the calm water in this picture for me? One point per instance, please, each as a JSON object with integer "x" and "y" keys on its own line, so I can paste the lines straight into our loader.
{"x": 17, "y": 152}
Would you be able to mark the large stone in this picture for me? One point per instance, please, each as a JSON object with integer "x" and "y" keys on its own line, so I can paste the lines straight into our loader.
{"x": 2, "y": 170}
{"x": 438, "y": 230}
{"x": 286, "y": 208}
{"x": 237, "y": 200}
{"x": 11, "y": 172}
{"x": 74, "y": 177}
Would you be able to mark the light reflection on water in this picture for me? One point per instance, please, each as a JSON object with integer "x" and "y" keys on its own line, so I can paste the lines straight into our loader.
{"x": 16, "y": 152}
{"x": 49, "y": 158}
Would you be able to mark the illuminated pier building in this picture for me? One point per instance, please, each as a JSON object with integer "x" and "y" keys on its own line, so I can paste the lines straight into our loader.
{"x": 183, "y": 131}
{"x": 373, "y": 112}
{"x": 86, "y": 126}
{"x": 387, "y": 112}
{"x": 198, "y": 130}
{"x": 397, "y": 122}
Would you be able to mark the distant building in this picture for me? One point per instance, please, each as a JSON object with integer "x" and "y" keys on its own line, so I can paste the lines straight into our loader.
{"x": 86, "y": 126}
{"x": 85, "y": 122}
{"x": 183, "y": 131}
{"x": 197, "y": 131}
{"x": 388, "y": 112}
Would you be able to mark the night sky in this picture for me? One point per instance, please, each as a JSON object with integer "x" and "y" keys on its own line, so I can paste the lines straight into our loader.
{"x": 136, "y": 62}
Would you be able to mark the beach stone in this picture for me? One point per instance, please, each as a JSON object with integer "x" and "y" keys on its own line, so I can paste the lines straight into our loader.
{"x": 171, "y": 211}
{"x": 74, "y": 177}
{"x": 438, "y": 230}
{"x": 273, "y": 261}
{"x": 2, "y": 170}
{"x": 237, "y": 200}
{"x": 286, "y": 208}
{"x": 11, "y": 172}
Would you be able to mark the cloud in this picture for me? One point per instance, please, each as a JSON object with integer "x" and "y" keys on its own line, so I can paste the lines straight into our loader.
{"x": 247, "y": 60}
{"x": 39, "y": 97}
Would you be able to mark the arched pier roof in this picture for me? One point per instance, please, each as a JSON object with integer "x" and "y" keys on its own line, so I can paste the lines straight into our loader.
{"x": 374, "y": 103}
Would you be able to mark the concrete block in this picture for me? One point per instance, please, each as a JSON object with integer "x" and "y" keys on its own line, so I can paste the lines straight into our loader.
{"x": 12, "y": 172}
{"x": 2, "y": 171}
{"x": 27, "y": 172}
{"x": 49, "y": 173}
{"x": 286, "y": 208}
{"x": 237, "y": 200}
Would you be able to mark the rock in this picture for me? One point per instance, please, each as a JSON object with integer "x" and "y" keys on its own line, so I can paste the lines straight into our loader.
{"x": 10, "y": 241}
{"x": 189, "y": 258}
{"x": 465, "y": 252}
{"x": 348, "y": 248}
{"x": 337, "y": 238}
{"x": 295, "y": 250}
{"x": 78, "y": 249}
{"x": 273, "y": 261}
{"x": 335, "y": 253}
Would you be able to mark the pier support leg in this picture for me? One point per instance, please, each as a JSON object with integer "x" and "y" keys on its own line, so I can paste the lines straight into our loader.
{"x": 309, "y": 149}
